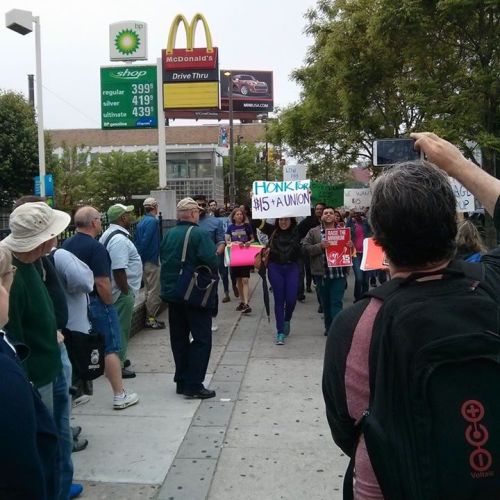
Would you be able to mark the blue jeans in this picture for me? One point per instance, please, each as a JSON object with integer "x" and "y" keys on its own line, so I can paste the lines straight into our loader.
{"x": 331, "y": 292}
{"x": 104, "y": 320}
{"x": 191, "y": 358}
{"x": 56, "y": 397}
{"x": 224, "y": 274}
{"x": 284, "y": 279}
{"x": 360, "y": 277}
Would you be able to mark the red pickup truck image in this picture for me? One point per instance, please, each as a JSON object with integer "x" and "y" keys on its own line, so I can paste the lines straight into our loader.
{"x": 248, "y": 84}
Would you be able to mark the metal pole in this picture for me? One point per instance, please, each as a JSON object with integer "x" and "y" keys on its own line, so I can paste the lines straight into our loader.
{"x": 162, "y": 153}
{"x": 232, "y": 188}
{"x": 39, "y": 108}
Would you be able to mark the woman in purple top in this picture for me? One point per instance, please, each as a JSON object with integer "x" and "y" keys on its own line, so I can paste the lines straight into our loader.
{"x": 239, "y": 231}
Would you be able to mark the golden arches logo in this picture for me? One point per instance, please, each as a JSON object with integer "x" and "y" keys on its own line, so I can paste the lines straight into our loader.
{"x": 190, "y": 32}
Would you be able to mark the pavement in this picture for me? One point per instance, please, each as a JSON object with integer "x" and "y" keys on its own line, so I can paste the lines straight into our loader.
{"x": 264, "y": 436}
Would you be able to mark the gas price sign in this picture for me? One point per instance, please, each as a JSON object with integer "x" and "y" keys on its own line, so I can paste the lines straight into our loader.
{"x": 128, "y": 97}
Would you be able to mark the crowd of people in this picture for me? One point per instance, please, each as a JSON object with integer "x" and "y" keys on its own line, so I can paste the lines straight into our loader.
{"x": 90, "y": 283}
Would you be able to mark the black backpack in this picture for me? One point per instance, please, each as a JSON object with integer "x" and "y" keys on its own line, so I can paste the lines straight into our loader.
{"x": 432, "y": 429}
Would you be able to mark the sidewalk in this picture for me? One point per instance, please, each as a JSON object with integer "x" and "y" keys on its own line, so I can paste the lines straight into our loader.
{"x": 264, "y": 436}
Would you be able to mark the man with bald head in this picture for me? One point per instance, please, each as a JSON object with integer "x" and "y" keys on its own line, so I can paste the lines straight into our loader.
{"x": 102, "y": 312}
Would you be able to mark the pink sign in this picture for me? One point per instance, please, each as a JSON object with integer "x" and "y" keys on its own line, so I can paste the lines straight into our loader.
{"x": 243, "y": 256}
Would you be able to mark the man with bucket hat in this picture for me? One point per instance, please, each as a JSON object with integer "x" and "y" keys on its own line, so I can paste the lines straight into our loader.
{"x": 126, "y": 276}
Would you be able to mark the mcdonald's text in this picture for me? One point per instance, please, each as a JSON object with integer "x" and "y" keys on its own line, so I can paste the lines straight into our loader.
{"x": 200, "y": 58}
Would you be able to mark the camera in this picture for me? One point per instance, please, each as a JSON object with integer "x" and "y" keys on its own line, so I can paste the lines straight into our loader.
{"x": 392, "y": 151}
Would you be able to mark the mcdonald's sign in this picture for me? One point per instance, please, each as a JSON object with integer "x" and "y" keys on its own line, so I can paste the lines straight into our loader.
{"x": 190, "y": 75}
{"x": 190, "y": 57}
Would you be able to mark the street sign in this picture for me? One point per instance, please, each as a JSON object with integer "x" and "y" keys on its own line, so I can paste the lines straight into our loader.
{"x": 49, "y": 185}
{"x": 128, "y": 97}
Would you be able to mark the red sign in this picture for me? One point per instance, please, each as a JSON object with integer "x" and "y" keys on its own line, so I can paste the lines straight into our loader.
{"x": 190, "y": 59}
{"x": 338, "y": 253}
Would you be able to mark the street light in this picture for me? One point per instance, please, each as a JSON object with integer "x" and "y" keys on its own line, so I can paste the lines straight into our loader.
{"x": 21, "y": 21}
{"x": 232, "y": 182}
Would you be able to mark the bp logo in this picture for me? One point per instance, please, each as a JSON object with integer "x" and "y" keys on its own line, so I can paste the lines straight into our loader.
{"x": 127, "y": 42}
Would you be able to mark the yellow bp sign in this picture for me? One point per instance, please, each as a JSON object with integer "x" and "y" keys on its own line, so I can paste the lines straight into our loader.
{"x": 190, "y": 75}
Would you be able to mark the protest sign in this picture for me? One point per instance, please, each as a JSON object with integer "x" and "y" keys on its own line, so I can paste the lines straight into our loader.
{"x": 273, "y": 199}
{"x": 294, "y": 172}
{"x": 338, "y": 253}
{"x": 357, "y": 199}
{"x": 243, "y": 256}
{"x": 465, "y": 199}
{"x": 330, "y": 194}
{"x": 373, "y": 256}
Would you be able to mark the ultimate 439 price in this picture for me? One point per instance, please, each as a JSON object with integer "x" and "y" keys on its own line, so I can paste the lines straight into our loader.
{"x": 139, "y": 111}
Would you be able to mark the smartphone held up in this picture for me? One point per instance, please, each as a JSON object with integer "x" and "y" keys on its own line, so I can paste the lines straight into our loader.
{"x": 387, "y": 152}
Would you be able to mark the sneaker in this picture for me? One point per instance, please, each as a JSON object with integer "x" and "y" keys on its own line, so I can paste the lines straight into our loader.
{"x": 79, "y": 445}
{"x": 226, "y": 298}
{"x": 154, "y": 324}
{"x": 83, "y": 399}
{"x": 280, "y": 338}
{"x": 125, "y": 400}
{"x": 246, "y": 309}
{"x": 75, "y": 490}
{"x": 214, "y": 327}
{"x": 286, "y": 328}
{"x": 240, "y": 307}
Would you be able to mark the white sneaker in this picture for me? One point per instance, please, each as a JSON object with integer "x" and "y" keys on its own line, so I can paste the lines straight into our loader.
{"x": 214, "y": 327}
{"x": 125, "y": 400}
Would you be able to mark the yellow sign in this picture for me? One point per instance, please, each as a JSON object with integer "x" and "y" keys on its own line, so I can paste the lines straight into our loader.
{"x": 191, "y": 95}
{"x": 190, "y": 32}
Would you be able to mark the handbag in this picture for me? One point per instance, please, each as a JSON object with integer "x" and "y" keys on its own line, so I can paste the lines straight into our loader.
{"x": 86, "y": 353}
{"x": 196, "y": 285}
{"x": 262, "y": 258}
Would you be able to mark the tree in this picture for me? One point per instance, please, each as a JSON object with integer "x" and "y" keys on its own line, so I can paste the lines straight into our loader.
{"x": 386, "y": 68}
{"x": 18, "y": 147}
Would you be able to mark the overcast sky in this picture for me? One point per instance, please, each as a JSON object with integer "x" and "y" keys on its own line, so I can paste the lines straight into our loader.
{"x": 257, "y": 35}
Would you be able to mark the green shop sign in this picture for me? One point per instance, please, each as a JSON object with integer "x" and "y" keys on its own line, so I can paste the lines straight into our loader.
{"x": 128, "y": 97}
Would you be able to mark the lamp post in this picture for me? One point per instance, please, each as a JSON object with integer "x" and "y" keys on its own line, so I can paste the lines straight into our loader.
{"x": 21, "y": 21}
{"x": 232, "y": 182}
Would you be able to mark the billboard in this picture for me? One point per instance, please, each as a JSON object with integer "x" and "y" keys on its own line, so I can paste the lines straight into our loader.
{"x": 252, "y": 90}
{"x": 128, "y": 97}
{"x": 190, "y": 75}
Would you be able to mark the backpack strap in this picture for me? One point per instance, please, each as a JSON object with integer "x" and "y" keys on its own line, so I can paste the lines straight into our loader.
{"x": 185, "y": 246}
{"x": 111, "y": 235}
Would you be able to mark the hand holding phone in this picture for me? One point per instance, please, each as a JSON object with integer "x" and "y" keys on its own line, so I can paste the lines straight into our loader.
{"x": 388, "y": 152}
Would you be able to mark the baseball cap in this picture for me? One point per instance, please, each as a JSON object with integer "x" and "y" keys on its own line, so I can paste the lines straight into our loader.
{"x": 32, "y": 224}
{"x": 150, "y": 202}
{"x": 116, "y": 211}
{"x": 187, "y": 204}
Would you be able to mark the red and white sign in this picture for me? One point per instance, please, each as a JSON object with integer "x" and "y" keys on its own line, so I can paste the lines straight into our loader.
{"x": 338, "y": 253}
{"x": 200, "y": 58}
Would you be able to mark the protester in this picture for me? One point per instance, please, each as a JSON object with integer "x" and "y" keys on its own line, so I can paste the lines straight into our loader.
{"x": 147, "y": 241}
{"x": 212, "y": 208}
{"x": 28, "y": 454}
{"x": 240, "y": 232}
{"x": 330, "y": 281}
{"x": 283, "y": 269}
{"x": 470, "y": 246}
{"x": 304, "y": 227}
{"x": 33, "y": 320}
{"x": 191, "y": 356}
{"x": 223, "y": 269}
{"x": 102, "y": 313}
{"x": 360, "y": 229}
{"x": 214, "y": 227}
{"x": 419, "y": 194}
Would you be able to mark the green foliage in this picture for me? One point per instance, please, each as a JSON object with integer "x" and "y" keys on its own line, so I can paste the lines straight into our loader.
{"x": 384, "y": 68}
{"x": 18, "y": 147}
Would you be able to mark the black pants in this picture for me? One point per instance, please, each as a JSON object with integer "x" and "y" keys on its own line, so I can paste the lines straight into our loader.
{"x": 191, "y": 358}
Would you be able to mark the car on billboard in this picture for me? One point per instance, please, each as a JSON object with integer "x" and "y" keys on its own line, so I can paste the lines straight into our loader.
{"x": 248, "y": 85}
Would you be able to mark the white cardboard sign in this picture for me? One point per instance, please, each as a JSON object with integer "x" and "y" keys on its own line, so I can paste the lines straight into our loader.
{"x": 294, "y": 172}
{"x": 357, "y": 198}
{"x": 274, "y": 199}
{"x": 465, "y": 199}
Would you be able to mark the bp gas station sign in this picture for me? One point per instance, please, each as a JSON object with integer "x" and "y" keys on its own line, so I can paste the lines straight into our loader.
{"x": 128, "y": 97}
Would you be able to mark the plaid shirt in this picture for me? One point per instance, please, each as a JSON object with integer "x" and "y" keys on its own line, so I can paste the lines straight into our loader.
{"x": 331, "y": 272}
